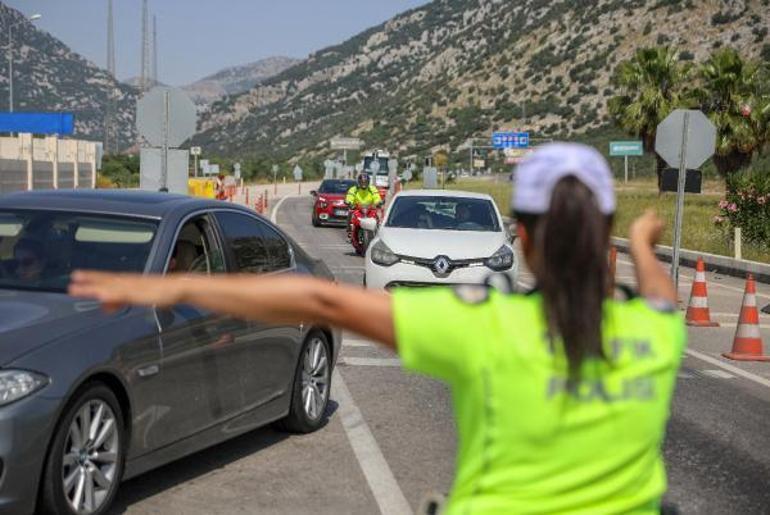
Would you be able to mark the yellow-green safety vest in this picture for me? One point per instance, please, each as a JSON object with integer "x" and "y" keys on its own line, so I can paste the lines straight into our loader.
{"x": 529, "y": 441}
{"x": 363, "y": 196}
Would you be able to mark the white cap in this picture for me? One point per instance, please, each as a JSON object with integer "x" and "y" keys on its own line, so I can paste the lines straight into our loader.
{"x": 539, "y": 172}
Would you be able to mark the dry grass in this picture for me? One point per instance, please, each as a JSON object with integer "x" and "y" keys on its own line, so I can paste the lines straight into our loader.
{"x": 699, "y": 232}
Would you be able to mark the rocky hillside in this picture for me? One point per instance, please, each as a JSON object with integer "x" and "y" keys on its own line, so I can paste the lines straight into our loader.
{"x": 48, "y": 76}
{"x": 455, "y": 69}
{"x": 237, "y": 79}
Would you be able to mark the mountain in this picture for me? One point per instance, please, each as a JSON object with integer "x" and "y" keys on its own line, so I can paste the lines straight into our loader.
{"x": 237, "y": 79}
{"x": 49, "y": 76}
{"x": 134, "y": 82}
{"x": 454, "y": 69}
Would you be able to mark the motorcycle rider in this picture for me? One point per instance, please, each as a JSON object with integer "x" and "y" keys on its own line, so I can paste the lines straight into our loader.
{"x": 362, "y": 194}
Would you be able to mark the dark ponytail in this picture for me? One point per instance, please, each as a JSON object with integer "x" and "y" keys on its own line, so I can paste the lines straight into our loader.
{"x": 570, "y": 245}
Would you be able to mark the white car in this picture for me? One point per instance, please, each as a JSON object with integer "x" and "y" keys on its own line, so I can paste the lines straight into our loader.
{"x": 435, "y": 237}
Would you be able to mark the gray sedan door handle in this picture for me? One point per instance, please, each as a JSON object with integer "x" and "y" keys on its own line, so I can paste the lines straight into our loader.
{"x": 148, "y": 371}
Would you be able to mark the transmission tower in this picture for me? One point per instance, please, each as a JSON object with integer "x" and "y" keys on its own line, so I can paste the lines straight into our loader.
{"x": 154, "y": 50}
{"x": 110, "y": 142}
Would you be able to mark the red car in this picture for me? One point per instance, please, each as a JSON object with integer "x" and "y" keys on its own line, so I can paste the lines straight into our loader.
{"x": 329, "y": 207}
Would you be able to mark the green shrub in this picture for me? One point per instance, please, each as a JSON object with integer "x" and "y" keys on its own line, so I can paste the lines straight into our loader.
{"x": 722, "y": 18}
{"x": 747, "y": 205}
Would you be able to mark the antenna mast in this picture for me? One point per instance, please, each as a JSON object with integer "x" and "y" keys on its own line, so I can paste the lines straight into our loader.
{"x": 144, "y": 78}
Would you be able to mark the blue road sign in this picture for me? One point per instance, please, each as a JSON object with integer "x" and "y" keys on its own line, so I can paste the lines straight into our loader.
{"x": 510, "y": 139}
{"x": 38, "y": 123}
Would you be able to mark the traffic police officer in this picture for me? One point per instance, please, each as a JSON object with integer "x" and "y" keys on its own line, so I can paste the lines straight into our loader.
{"x": 561, "y": 395}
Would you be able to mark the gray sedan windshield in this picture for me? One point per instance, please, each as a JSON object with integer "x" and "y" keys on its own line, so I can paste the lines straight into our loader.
{"x": 40, "y": 249}
{"x": 444, "y": 213}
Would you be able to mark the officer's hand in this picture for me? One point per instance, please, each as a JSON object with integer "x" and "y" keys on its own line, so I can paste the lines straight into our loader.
{"x": 647, "y": 229}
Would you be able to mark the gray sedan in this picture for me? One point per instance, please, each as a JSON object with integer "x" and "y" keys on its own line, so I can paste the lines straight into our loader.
{"x": 87, "y": 398}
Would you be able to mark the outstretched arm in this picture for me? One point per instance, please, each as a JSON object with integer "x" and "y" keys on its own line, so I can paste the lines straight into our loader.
{"x": 652, "y": 278}
{"x": 280, "y": 298}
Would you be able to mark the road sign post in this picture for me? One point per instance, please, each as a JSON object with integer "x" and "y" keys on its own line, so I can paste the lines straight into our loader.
{"x": 685, "y": 140}
{"x": 195, "y": 152}
{"x": 275, "y": 179}
{"x": 625, "y": 149}
{"x": 166, "y": 118}
{"x": 298, "y": 178}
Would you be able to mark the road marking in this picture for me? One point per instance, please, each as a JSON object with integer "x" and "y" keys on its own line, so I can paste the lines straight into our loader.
{"x": 730, "y": 368}
{"x": 685, "y": 375}
{"x": 371, "y": 362}
{"x": 382, "y": 483}
{"x": 717, "y": 374}
{"x": 276, "y": 207}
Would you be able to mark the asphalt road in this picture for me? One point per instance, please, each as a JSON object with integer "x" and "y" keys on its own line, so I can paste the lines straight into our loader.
{"x": 390, "y": 439}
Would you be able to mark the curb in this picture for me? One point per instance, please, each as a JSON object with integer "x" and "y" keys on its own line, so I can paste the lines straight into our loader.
{"x": 722, "y": 264}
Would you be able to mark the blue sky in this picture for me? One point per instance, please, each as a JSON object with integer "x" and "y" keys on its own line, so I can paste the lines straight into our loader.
{"x": 199, "y": 37}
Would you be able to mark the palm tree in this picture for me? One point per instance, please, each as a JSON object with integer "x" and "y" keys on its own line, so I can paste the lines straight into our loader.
{"x": 651, "y": 86}
{"x": 729, "y": 93}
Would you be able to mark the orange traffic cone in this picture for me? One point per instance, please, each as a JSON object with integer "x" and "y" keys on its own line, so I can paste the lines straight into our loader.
{"x": 747, "y": 345}
{"x": 698, "y": 310}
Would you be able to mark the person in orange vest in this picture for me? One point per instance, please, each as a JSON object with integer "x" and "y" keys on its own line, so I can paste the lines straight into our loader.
{"x": 220, "y": 187}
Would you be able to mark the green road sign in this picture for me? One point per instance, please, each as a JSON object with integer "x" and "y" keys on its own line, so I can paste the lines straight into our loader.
{"x": 626, "y": 148}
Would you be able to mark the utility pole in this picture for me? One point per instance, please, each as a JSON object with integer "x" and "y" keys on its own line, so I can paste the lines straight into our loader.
{"x": 109, "y": 119}
{"x": 470, "y": 170}
{"x": 10, "y": 68}
{"x": 10, "y": 28}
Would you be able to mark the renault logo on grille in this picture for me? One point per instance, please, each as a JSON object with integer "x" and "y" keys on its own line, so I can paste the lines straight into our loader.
{"x": 441, "y": 265}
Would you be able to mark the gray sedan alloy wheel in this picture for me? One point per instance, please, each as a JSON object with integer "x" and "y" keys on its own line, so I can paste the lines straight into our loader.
{"x": 315, "y": 378}
{"x": 91, "y": 450}
{"x": 85, "y": 460}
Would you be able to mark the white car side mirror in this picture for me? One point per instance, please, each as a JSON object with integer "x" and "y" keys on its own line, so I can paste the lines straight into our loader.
{"x": 369, "y": 224}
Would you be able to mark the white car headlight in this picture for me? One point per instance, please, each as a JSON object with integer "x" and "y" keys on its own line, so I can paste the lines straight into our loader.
{"x": 500, "y": 260}
{"x": 383, "y": 256}
{"x": 17, "y": 384}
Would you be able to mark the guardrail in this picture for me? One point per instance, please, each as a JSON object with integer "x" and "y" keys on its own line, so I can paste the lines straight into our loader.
{"x": 722, "y": 264}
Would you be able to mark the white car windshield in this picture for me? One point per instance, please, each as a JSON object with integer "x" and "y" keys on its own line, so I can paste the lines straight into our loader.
{"x": 443, "y": 213}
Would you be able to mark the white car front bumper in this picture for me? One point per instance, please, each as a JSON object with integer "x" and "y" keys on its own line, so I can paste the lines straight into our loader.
{"x": 406, "y": 274}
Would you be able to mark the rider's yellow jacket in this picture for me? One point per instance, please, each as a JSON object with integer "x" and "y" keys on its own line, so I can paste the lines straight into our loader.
{"x": 363, "y": 196}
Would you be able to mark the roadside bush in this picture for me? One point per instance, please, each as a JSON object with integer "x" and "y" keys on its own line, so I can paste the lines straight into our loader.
{"x": 722, "y": 18}
{"x": 747, "y": 205}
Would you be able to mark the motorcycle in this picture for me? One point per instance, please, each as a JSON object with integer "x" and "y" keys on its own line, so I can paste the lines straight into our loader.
{"x": 364, "y": 221}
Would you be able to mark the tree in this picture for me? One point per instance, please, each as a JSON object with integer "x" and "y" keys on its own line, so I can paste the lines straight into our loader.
{"x": 729, "y": 92}
{"x": 441, "y": 159}
{"x": 651, "y": 86}
{"x": 121, "y": 170}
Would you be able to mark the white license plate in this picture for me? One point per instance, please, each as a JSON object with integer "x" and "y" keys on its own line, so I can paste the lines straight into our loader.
{"x": 340, "y": 212}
